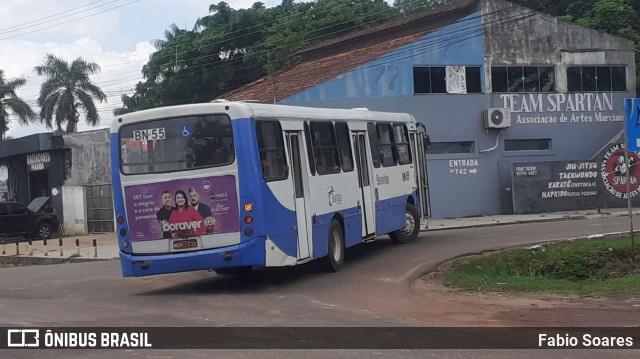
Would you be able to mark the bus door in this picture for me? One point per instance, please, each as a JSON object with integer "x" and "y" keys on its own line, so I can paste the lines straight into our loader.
{"x": 299, "y": 182}
{"x": 417, "y": 144}
{"x": 366, "y": 197}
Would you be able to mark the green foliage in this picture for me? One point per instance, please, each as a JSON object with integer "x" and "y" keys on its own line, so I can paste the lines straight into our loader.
{"x": 409, "y": 6}
{"x": 310, "y": 23}
{"x": 229, "y": 48}
{"x": 10, "y": 102}
{"x": 66, "y": 89}
{"x": 576, "y": 266}
{"x": 609, "y": 16}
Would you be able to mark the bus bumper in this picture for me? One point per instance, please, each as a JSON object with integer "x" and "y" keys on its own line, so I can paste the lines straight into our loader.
{"x": 245, "y": 254}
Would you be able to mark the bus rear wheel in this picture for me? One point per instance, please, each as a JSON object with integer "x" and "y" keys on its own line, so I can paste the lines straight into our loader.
{"x": 409, "y": 232}
{"x": 335, "y": 260}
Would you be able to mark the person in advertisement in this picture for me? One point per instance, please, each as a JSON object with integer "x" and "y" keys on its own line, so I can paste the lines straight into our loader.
{"x": 203, "y": 209}
{"x": 184, "y": 219}
{"x": 165, "y": 212}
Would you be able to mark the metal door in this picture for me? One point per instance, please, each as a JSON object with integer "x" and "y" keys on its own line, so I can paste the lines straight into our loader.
{"x": 367, "y": 208}
{"x": 100, "y": 209}
{"x": 420, "y": 161}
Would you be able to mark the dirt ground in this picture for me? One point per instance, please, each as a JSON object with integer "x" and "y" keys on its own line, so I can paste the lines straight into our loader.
{"x": 450, "y": 306}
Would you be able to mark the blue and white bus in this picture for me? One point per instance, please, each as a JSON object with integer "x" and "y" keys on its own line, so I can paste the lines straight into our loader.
{"x": 227, "y": 186}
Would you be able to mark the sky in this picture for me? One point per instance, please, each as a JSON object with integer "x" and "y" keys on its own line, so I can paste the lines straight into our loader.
{"x": 115, "y": 34}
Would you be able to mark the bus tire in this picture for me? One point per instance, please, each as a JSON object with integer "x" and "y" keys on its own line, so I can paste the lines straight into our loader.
{"x": 335, "y": 259}
{"x": 411, "y": 229}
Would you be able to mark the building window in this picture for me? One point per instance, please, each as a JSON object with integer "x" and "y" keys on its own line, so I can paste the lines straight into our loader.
{"x": 474, "y": 83}
{"x": 543, "y": 144}
{"x": 596, "y": 78}
{"x": 446, "y": 79}
{"x": 442, "y": 148}
{"x": 523, "y": 79}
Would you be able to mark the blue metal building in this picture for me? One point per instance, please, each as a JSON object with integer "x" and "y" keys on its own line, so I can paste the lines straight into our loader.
{"x": 522, "y": 108}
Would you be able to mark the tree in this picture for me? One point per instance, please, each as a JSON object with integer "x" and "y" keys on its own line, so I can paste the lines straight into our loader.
{"x": 10, "y": 102}
{"x": 229, "y": 48}
{"x": 314, "y": 22}
{"x": 67, "y": 90}
{"x": 198, "y": 65}
{"x": 411, "y": 6}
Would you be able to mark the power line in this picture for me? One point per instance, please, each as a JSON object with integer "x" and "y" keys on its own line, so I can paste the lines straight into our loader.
{"x": 435, "y": 43}
{"x": 325, "y": 8}
{"x": 69, "y": 21}
{"x": 443, "y": 40}
{"x": 46, "y": 19}
{"x": 460, "y": 35}
{"x": 440, "y": 38}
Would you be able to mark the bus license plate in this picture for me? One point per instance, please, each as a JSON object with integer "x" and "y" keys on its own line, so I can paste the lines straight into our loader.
{"x": 185, "y": 244}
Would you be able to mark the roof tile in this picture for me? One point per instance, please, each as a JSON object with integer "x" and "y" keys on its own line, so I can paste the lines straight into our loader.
{"x": 331, "y": 58}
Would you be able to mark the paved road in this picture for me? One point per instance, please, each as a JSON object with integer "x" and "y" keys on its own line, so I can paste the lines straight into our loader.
{"x": 376, "y": 288}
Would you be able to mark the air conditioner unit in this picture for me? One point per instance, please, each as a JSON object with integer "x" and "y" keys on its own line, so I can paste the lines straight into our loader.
{"x": 497, "y": 118}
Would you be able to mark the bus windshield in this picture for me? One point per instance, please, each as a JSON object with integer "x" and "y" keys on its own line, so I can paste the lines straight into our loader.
{"x": 174, "y": 144}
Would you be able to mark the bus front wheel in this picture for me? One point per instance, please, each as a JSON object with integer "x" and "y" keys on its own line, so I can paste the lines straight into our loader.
{"x": 335, "y": 260}
{"x": 409, "y": 232}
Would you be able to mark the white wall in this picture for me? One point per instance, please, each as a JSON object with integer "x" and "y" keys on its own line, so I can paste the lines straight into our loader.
{"x": 74, "y": 207}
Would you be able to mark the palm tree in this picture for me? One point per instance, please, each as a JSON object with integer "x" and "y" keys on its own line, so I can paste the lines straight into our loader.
{"x": 66, "y": 90}
{"x": 9, "y": 101}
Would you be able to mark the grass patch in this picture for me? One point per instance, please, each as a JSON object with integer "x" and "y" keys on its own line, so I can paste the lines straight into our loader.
{"x": 594, "y": 266}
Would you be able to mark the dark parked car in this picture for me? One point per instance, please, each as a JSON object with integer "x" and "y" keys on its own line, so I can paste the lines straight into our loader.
{"x": 38, "y": 220}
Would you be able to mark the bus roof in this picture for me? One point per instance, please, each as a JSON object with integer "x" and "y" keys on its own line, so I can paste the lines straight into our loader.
{"x": 239, "y": 109}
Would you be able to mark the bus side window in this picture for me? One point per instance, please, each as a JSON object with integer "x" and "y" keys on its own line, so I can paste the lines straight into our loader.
{"x": 325, "y": 149}
{"x": 401, "y": 147}
{"x": 273, "y": 161}
{"x": 385, "y": 140}
{"x": 344, "y": 146}
{"x": 307, "y": 138}
{"x": 373, "y": 142}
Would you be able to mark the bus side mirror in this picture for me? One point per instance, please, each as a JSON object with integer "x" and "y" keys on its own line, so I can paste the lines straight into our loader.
{"x": 426, "y": 141}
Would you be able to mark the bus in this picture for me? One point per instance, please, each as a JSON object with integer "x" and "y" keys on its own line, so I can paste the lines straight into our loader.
{"x": 228, "y": 186}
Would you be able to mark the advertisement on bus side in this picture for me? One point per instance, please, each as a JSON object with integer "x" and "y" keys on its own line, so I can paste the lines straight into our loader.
{"x": 182, "y": 208}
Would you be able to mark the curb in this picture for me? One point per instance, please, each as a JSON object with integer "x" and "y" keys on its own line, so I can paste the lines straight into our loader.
{"x": 432, "y": 269}
{"x": 22, "y": 260}
{"x": 567, "y": 217}
{"x": 506, "y": 222}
